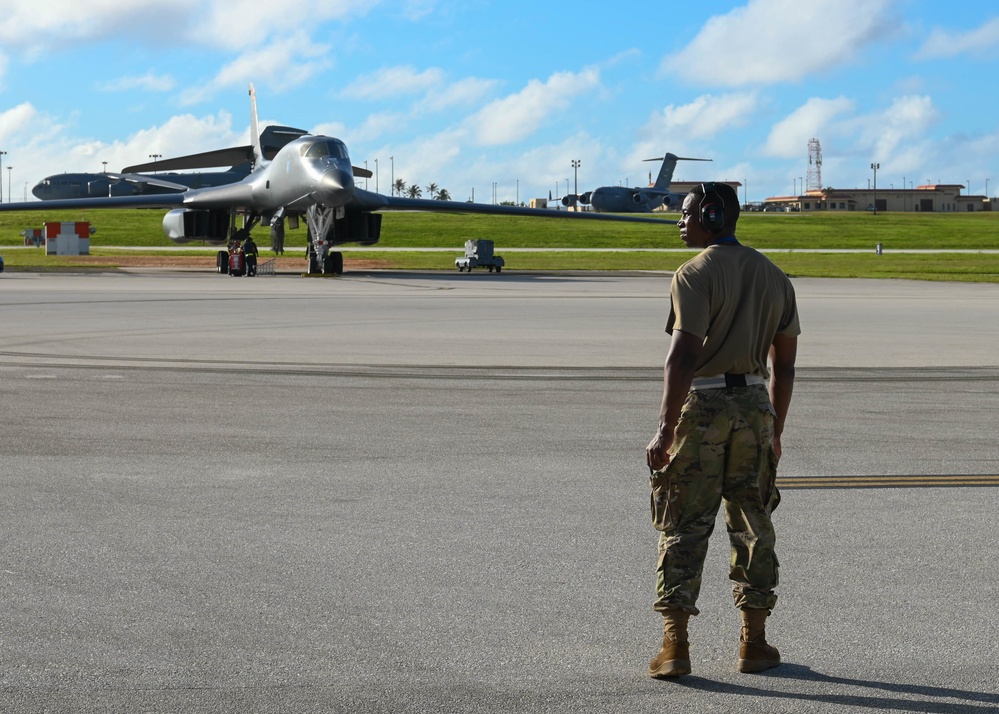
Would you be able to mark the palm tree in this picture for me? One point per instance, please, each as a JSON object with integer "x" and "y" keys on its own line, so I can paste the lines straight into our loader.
{"x": 414, "y": 191}
{"x": 432, "y": 190}
{"x": 443, "y": 195}
{"x": 399, "y": 186}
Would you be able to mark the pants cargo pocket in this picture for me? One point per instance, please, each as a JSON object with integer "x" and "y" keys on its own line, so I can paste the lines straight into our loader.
{"x": 664, "y": 502}
{"x": 770, "y": 495}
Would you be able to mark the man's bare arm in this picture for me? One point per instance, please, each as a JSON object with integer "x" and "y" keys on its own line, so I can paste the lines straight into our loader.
{"x": 681, "y": 363}
{"x": 783, "y": 353}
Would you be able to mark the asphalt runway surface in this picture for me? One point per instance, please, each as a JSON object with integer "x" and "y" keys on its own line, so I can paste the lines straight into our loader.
{"x": 405, "y": 492}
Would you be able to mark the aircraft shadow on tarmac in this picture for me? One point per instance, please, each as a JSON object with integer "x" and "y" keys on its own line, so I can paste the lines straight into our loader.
{"x": 925, "y": 703}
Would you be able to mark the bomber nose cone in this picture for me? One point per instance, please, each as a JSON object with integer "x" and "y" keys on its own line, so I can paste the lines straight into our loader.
{"x": 337, "y": 185}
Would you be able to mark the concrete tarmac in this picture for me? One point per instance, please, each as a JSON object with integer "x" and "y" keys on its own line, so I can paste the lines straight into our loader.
{"x": 406, "y": 492}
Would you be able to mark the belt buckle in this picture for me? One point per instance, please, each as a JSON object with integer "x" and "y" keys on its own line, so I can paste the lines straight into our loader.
{"x": 735, "y": 380}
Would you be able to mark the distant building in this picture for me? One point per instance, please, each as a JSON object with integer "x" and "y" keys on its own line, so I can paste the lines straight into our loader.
{"x": 931, "y": 198}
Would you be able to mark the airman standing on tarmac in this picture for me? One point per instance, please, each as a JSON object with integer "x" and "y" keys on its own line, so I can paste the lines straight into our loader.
{"x": 720, "y": 425}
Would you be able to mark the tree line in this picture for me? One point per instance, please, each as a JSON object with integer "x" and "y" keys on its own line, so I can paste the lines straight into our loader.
{"x": 401, "y": 188}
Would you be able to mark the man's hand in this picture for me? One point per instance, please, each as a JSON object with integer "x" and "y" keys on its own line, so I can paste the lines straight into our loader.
{"x": 657, "y": 452}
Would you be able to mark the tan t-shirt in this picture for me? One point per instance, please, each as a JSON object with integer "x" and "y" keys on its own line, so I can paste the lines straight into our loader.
{"x": 736, "y": 300}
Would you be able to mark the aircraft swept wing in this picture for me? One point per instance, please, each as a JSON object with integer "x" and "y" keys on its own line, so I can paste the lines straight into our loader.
{"x": 310, "y": 176}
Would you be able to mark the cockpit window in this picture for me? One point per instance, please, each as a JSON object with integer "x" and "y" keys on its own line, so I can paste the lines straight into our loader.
{"x": 324, "y": 148}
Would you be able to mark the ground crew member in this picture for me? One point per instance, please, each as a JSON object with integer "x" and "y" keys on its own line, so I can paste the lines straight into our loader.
{"x": 250, "y": 256}
{"x": 720, "y": 425}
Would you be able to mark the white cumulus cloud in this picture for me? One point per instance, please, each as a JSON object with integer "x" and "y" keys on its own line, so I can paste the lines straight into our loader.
{"x": 149, "y": 82}
{"x": 982, "y": 40}
{"x": 789, "y": 137}
{"x": 514, "y": 117}
{"x": 284, "y": 64}
{"x": 771, "y": 41}
{"x": 392, "y": 82}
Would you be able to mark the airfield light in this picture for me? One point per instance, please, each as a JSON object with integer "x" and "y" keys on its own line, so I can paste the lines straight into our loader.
{"x": 875, "y": 167}
{"x": 575, "y": 178}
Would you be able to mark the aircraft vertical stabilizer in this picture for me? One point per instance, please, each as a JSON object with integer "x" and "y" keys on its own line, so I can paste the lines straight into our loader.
{"x": 665, "y": 177}
{"x": 258, "y": 152}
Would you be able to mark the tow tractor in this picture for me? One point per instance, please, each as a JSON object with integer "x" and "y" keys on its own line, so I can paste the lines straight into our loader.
{"x": 479, "y": 254}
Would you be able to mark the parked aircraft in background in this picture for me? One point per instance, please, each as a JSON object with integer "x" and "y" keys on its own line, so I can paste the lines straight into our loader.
{"x": 310, "y": 176}
{"x": 62, "y": 186}
{"x": 132, "y": 183}
{"x": 618, "y": 199}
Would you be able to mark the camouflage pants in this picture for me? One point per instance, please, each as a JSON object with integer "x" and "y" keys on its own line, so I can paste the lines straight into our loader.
{"x": 723, "y": 451}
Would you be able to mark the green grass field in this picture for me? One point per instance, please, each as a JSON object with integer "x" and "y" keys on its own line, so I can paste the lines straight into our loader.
{"x": 895, "y": 231}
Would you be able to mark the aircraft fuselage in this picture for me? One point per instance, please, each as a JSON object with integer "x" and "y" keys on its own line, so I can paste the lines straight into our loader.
{"x": 618, "y": 199}
{"x": 88, "y": 185}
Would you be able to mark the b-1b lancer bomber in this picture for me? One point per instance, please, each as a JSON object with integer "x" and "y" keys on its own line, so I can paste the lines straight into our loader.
{"x": 310, "y": 176}
{"x": 619, "y": 199}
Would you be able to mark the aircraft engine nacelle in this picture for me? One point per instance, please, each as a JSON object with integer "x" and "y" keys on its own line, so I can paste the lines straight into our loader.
{"x": 585, "y": 197}
{"x": 121, "y": 188}
{"x": 97, "y": 188}
{"x": 569, "y": 199}
{"x": 640, "y": 197}
{"x": 185, "y": 225}
{"x": 356, "y": 227}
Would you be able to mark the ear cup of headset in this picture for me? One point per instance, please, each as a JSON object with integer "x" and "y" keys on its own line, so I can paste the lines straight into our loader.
{"x": 712, "y": 217}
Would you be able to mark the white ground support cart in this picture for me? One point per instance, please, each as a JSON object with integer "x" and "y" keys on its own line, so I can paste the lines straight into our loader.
{"x": 479, "y": 254}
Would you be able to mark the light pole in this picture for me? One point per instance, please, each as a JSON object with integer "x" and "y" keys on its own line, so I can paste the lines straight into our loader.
{"x": 392, "y": 166}
{"x": 10, "y": 170}
{"x": 376, "y": 175}
{"x": 875, "y": 167}
{"x": 575, "y": 179}
{"x": 155, "y": 157}
{"x": 365, "y": 178}
{"x": 802, "y": 185}
{"x": 2, "y": 154}
{"x": 905, "y": 202}
{"x": 105, "y": 166}
{"x": 968, "y": 181}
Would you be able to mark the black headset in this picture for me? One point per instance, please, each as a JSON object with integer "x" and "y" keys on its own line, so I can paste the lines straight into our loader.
{"x": 712, "y": 210}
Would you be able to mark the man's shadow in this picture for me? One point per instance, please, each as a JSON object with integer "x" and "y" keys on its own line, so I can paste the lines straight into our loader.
{"x": 923, "y": 700}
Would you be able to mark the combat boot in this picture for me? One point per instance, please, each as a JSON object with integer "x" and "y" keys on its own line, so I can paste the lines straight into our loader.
{"x": 755, "y": 655}
{"x": 673, "y": 659}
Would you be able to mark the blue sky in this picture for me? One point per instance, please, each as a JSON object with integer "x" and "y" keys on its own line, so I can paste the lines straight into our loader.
{"x": 470, "y": 94}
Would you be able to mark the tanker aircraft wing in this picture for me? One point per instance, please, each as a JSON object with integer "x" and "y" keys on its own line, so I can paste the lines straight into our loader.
{"x": 310, "y": 176}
